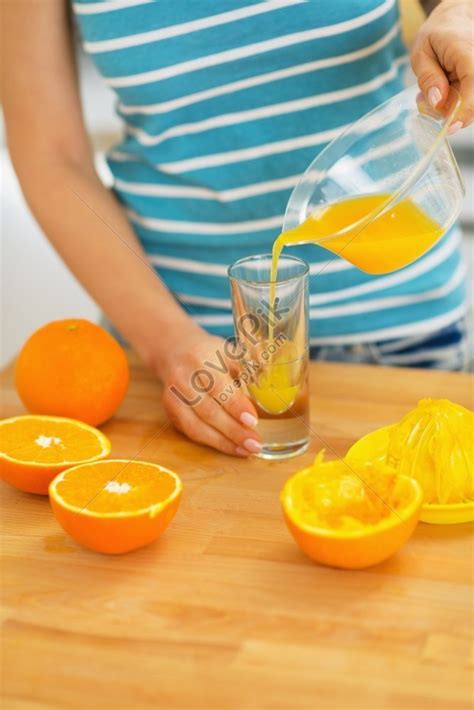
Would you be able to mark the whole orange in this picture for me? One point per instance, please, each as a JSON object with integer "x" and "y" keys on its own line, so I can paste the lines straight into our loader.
{"x": 72, "y": 368}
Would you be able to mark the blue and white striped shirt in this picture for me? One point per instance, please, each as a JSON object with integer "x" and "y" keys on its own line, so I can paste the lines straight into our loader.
{"x": 225, "y": 104}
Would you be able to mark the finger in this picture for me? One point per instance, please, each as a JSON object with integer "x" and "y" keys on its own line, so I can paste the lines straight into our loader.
{"x": 230, "y": 395}
{"x": 187, "y": 421}
{"x": 431, "y": 78}
{"x": 240, "y": 407}
{"x": 233, "y": 354}
{"x": 216, "y": 416}
{"x": 466, "y": 114}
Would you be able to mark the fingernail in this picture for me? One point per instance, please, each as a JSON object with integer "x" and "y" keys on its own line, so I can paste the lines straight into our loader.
{"x": 241, "y": 452}
{"x": 253, "y": 446}
{"x": 434, "y": 96}
{"x": 455, "y": 128}
{"x": 249, "y": 420}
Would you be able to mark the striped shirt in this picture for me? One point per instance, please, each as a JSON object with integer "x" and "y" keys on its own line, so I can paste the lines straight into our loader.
{"x": 224, "y": 105}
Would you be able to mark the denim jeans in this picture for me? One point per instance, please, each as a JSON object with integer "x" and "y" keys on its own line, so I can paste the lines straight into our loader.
{"x": 445, "y": 349}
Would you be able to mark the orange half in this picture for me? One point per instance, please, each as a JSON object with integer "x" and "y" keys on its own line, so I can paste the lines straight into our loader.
{"x": 117, "y": 505}
{"x": 350, "y": 515}
{"x": 35, "y": 448}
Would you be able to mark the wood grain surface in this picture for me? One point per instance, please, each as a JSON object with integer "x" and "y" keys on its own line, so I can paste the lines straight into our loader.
{"x": 224, "y": 611}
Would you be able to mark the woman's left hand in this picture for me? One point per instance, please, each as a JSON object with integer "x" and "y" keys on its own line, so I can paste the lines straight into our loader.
{"x": 443, "y": 54}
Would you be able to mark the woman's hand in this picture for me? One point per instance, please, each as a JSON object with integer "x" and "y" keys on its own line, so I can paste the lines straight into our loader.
{"x": 201, "y": 396}
{"x": 443, "y": 54}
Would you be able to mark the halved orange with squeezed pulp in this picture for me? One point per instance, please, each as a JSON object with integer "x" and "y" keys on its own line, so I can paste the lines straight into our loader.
{"x": 350, "y": 515}
{"x": 117, "y": 505}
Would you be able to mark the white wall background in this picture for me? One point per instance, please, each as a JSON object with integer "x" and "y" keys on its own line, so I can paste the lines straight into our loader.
{"x": 36, "y": 287}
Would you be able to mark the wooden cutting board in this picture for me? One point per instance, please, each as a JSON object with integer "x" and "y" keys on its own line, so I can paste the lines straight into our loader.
{"x": 224, "y": 611}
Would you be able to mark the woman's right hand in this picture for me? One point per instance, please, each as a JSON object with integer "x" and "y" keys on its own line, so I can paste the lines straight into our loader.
{"x": 201, "y": 397}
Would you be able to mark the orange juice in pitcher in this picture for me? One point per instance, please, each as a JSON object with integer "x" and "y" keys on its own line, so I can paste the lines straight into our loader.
{"x": 389, "y": 241}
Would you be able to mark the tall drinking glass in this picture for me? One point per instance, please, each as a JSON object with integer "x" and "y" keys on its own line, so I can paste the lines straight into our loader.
{"x": 271, "y": 325}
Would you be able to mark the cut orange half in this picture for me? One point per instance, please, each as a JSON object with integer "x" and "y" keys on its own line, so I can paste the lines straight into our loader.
{"x": 350, "y": 515}
{"x": 35, "y": 448}
{"x": 117, "y": 505}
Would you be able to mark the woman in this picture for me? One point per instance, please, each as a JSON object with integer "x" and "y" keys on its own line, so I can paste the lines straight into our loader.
{"x": 225, "y": 104}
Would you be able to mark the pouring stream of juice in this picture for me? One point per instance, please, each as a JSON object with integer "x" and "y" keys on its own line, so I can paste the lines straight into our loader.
{"x": 392, "y": 240}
